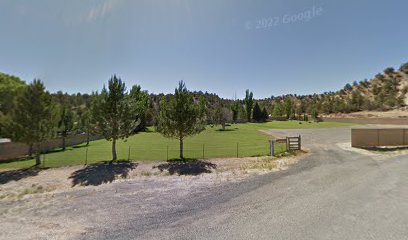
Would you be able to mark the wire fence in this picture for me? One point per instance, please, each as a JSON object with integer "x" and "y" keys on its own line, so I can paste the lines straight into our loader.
{"x": 83, "y": 154}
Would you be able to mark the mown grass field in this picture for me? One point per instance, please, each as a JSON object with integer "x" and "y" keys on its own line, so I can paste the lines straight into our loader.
{"x": 152, "y": 146}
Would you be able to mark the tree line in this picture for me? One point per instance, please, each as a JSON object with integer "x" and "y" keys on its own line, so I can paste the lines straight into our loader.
{"x": 32, "y": 115}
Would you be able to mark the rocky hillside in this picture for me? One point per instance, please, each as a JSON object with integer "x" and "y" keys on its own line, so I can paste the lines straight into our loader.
{"x": 385, "y": 91}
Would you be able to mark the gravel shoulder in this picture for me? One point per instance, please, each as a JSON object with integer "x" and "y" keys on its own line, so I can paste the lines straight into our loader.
{"x": 47, "y": 204}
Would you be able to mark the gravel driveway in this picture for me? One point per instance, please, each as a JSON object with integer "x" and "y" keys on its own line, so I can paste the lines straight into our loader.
{"x": 331, "y": 194}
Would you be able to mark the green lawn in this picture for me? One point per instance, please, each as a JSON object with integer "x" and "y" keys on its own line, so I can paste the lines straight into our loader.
{"x": 152, "y": 146}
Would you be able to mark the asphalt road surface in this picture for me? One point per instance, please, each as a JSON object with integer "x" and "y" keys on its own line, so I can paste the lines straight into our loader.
{"x": 331, "y": 194}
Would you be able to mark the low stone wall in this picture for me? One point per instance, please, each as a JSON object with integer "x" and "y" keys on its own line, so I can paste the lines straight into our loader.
{"x": 11, "y": 150}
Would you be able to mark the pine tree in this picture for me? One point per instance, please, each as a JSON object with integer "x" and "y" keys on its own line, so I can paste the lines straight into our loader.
{"x": 249, "y": 103}
{"x": 181, "y": 116}
{"x": 34, "y": 119}
{"x": 257, "y": 113}
{"x": 115, "y": 112}
{"x": 66, "y": 123}
{"x": 265, "y": 115}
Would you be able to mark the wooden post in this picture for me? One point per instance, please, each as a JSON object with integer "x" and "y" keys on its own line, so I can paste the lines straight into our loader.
{"x": 272, "y": 147}
{"x": 167, "y": 152}
{"x": 300, "y": 142}
{"x": 237, "y": 149}
{"x": 287, "y": 144}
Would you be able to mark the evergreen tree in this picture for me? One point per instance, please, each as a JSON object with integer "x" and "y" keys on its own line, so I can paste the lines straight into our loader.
{"x": 181, "y": 116}
{"x": 34, "y": 118}
{"x": 265, "y": 115}
{"x": 10, "y": 88}
{"x": 86, "y": 124}
{"x": 257, "y": 113}
{"x": 115, "y": 112}
{"x": 66, "y": 123}
{"x": 249, "y": 103}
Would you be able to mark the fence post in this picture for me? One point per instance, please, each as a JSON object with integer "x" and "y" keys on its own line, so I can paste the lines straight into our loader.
{"x": 167, "y": 152}
{"x": 237, "y": 149}
{"x": 300, "y": 142}
{"x": 203, "y": 151}
{"x": 272, "y": 147}
{"x": 86, "y": 156}
{"x": 44, "y": 160}
{"x": 129, "y": 153}
{"x": 287, "y": 144}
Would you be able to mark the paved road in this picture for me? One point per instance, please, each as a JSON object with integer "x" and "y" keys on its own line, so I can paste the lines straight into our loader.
{"x": 331, "y": 194}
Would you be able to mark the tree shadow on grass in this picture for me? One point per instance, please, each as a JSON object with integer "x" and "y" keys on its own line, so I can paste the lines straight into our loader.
{"x": 16, "y": 175}
{"x": 103, "y": 172}
{"x": 226, "y": 130}
{"x": 188, "y": 167}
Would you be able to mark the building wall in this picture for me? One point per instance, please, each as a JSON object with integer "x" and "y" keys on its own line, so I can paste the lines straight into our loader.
{"x": 379, "y": 137}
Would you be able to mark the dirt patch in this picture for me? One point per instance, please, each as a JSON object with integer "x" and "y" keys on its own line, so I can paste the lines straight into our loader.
{"x": 65, "y": 179}
{"x": 396, "y": 113}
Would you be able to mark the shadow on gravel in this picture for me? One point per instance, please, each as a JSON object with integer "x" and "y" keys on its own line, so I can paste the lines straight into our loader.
{"x": 386, "y": 149}
{"x": 103, "y": 172}
{"x": 189, "y": 167}
{"x": 15, "y": 175}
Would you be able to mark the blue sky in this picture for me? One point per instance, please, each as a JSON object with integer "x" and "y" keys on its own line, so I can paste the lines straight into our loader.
{"x": 301, "y": 47}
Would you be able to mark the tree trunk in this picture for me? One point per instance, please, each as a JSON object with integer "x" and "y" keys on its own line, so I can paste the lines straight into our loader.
{"x": 114, "y": 157}
{"x": 181, "y": 149}
{"x": 223, "y": 126}
{"x": 30, "y": 150}
{"x": 37, "y": 159}
{"x": 63, "y": 143}
{"x": 38, "y": 156}
{"x": 87, "y": 138}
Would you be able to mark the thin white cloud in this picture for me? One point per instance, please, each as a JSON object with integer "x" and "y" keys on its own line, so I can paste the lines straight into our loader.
{"x": 101, "y": 10}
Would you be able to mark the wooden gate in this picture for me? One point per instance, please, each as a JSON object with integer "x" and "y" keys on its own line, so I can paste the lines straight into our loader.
{"x": 293, "y": 143}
